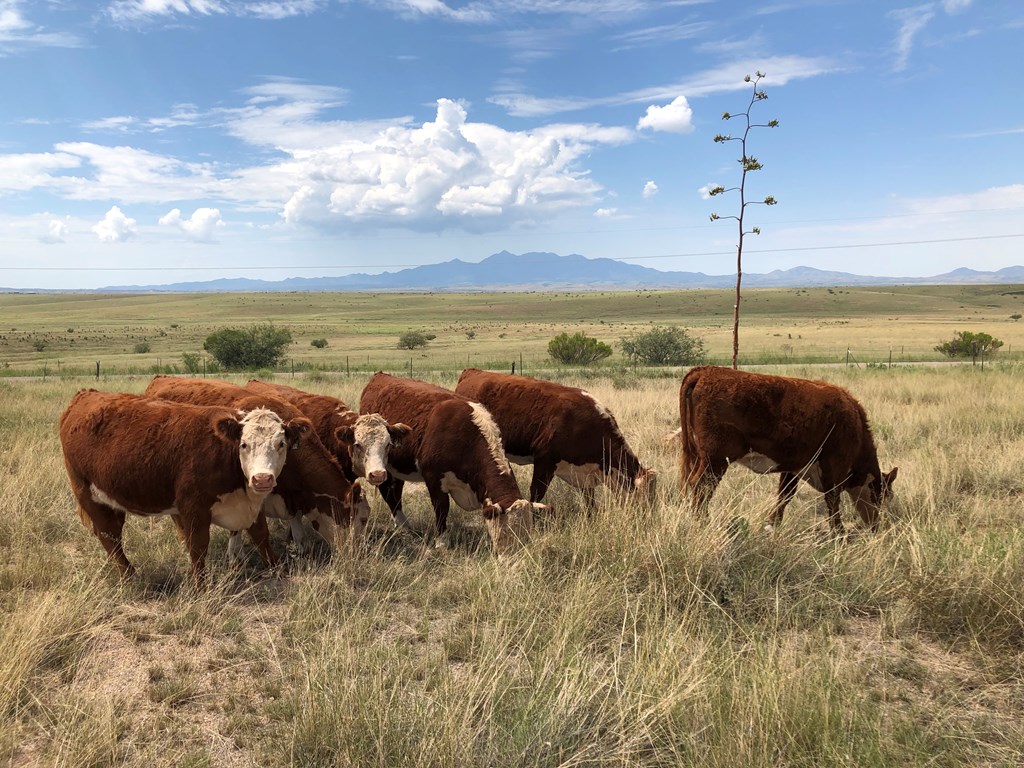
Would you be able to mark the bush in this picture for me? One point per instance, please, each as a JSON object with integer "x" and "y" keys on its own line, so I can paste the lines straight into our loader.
{"x": 968, "y": 344}
{"x": 192, "y": 362}
{"x": 578, "y": 349}
{"x": 663, "y": 345}
{"x": 141, "y": 348}
{"x": 261, "y": 346}
{"x": 318, "y": 343}
{"x": 413, "y": 340}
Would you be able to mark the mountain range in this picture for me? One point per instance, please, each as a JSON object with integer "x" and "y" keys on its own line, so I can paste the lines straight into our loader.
{"x": 550, "y": 271}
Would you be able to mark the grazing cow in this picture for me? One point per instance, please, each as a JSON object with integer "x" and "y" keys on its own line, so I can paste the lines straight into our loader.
{"x": 455, "y": 449}
{"x": 563, "y": 431}
{"x": 360, "y": 442}
{"x": 199, "y": 464}
{"x": 803, "y": 430}
{"x": 313, "y": 484}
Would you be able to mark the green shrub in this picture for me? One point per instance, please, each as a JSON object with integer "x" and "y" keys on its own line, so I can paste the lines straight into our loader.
{"x": 318, "y": 343}
{"x": 141, "y": 348}
{"x": 663, "y": 345}
{"x": 578, "y": 349}
{"x": 413, "y": 340}
{"x": 968, "y": 344}
{"x": 261, "y": 346}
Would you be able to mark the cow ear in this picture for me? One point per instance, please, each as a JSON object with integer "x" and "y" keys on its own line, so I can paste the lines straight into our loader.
{"x": 228, "y": 428}
{"x": 345, "y": 434}
{"x": 890, "y": 478}
{"x": 295, "y": 430}
{"x": 398, "y": 432}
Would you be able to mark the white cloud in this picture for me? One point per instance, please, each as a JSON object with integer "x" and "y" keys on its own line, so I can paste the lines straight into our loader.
{"x": 705, "y": 191}
{"x": 56, "y": 231}
{"x": 115, "y": 227}
{"x": 955, "y": 6}
{"x": 16, "y": 31}
{"x": 993, "y": 198}
{"x": 447, "y": 172}
{"x": 605, "y": 213}
{"x": 650, "y": 190}
{"x": 201, "y": 226}
{"x": 724, "y": 79}
{"x": 675, "y": 117}
{"x": 911, "y": 21}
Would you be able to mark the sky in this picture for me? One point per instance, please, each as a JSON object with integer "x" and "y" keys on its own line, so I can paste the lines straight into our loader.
{"x": 159, "y": 141}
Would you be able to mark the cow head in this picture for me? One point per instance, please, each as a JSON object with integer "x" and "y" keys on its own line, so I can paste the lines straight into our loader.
{"x": 507, "y": 527}
{"x": 869, "y": 498}
{"x": 642, "y": 486}
{"x": 263, "y": 441}
{"x": 371, "y": 438}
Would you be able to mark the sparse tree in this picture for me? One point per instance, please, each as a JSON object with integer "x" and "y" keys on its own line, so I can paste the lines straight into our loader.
{"x": 261, "y": 346}
{"x": 748, "y": 163}
{"x": 969, "y": 344}
{"x": 141, "y": 348}
{"x": 577, "y": 349}
{"x": 663, "y": 345}
{"x": 412, "y": 340}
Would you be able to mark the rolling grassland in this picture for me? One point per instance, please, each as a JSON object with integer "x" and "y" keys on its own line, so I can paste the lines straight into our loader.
{"x": 55, "y": 334}
{"x": 632, "y": 637}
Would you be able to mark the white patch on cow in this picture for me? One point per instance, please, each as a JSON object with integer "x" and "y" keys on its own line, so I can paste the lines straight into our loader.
{"x": 580, "y": 475}
{"x": 410, "y": 477}
{"x": 603, "y": 412}
{"x": 235, "y": 548}
{"x": 460, "y": 491}
{"x": 485, "y": 423}
{"x": 236, "y": 510}
{"x": 102, "y": 497}
{"x": 273, "y": 506}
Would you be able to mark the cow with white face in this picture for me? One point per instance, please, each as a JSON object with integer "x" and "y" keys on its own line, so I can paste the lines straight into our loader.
{"x": 361, "y": 443}
{"x": 200, "y": 464}
{"x": 455, "y": 449}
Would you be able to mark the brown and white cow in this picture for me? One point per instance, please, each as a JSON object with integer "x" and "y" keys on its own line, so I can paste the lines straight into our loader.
{"x": 313, "y": 485}
{"x": 455, "y": 449}
{"x": 563, "y": 431}
{"x": 200, "y": 464}
{"x": 360, "y": 442}
{"x": 801, "y": 429}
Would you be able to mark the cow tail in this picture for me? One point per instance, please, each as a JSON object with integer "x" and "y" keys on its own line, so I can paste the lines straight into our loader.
{"x": 687, "y": 446}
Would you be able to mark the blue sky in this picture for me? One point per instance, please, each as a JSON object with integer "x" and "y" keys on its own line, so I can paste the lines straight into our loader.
{"x": 155, "y": 141}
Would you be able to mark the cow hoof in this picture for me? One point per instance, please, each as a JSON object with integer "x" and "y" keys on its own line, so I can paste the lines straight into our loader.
{"x": 769, "y": 528}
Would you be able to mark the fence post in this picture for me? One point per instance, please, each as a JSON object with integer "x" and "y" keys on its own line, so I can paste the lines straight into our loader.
{"x": 97, "y": 370}
{"x": 346, "y": 366}
{"x": 847, "y": 357}
{"x": 890, "y": 357}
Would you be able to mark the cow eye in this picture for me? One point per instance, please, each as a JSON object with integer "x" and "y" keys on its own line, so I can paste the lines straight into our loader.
{"x": 244, "y": 446}
{"x": 280, "y": 445}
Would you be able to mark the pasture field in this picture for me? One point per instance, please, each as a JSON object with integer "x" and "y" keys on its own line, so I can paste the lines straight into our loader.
{"x": 632, "y": 637}
{"x": 53, "y": 334}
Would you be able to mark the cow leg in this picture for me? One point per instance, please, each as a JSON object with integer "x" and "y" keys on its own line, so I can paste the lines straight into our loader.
{"x": 260, "y": 535}
{"x": 235, "y": 548}
{"x": 441, "y": 503}
{"x": 543, "y": 474}
{"x": 108, "y": 526}
{"x": 787, "y": 489}
{"x": 391, "y": 490}
{"x": 195, "y": 530}
{"x": 700, "y": 479}
{"x": 589, "y": 500}
{"x": 833, "y": 497}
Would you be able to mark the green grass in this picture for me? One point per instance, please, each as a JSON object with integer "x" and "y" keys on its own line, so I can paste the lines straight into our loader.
{"x": 67, "y": 334}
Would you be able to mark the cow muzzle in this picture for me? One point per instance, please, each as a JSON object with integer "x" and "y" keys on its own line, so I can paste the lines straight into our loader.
{"x": 263, "y": 483}
{"x": 377, "y": 476}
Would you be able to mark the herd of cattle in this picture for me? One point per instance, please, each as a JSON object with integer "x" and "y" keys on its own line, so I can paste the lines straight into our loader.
{"x": 208, "y": 452}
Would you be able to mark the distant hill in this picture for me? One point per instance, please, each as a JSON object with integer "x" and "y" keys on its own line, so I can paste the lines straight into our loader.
{"x": 550, "y": 271}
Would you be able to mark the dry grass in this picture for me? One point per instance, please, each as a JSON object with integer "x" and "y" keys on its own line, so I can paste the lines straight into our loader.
{"x": 632, "y": 637}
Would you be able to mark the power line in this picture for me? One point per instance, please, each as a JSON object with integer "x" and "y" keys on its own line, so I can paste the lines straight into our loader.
{"x": 294, "y": 267}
